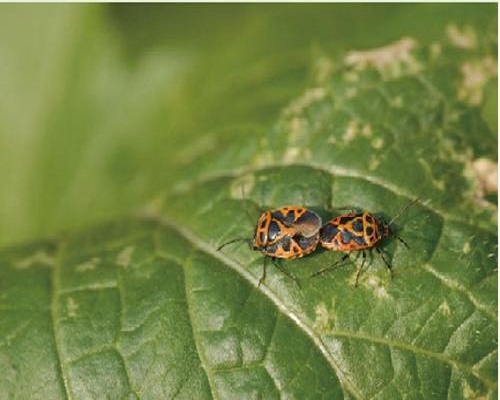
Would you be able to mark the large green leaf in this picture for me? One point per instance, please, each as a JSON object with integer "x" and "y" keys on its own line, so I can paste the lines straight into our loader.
{"x": 146, "y": 307}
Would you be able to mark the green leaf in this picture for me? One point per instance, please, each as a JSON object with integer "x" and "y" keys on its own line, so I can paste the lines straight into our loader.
{"x": 146, "y": 307}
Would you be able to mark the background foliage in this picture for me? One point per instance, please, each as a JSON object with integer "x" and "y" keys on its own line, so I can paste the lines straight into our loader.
{"x": 171, "y": 109}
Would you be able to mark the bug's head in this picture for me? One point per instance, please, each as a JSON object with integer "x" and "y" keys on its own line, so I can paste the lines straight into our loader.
{"x": 387, "y": 230}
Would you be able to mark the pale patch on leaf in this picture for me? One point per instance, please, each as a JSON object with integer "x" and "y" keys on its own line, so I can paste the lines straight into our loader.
{"x": 351, "y": 131}
{"x": 324, "y": 69}
{"x": 310, "y": 97}
{"x": 367, "y": 131}
{"x": 435, "y": 49}
{"x": 89, "y": 265}
{"x": 391, "y": 61}
{"x": 475, "y": 76}
{"x": 462, "y": 38}
{"x": 486, "y": 174}
{"x": 323, "y": 320}
{"x": 444, "y": 308}
{"x": 124, "y": 257}
{"x": 377, "y": 143}
{"x": 41, "y": 257}
{"x": 377, "y": 286}
{"x": 71, "y": 307}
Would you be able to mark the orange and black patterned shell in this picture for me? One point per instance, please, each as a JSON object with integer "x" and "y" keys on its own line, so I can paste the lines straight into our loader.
{"x": 287, "y": 232}
{"x": 292, "y": 247}
{"x": 285, "y": 221}
{"x": 352, "y": 231}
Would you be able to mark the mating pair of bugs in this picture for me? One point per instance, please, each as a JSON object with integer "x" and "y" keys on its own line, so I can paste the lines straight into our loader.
{"x": 293, "y": 232}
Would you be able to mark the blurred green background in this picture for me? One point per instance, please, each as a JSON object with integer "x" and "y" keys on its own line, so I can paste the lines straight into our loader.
{"x": 104, "y": 106}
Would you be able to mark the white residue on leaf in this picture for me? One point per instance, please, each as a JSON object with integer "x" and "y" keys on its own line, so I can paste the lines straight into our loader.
{"x": 374, "y": 283}
{"x": 124, "y": 257}
{"x": 475, "y": 75}
{"x": 88, "y": 265}
{"x": 351, "y": 131}
{"x": 39, "y": 257}
{"x": 391, "y": 61}
{"x": 486, "y": 176}
{"x": 71, "y": 307}
{"x": 462, "y": 38}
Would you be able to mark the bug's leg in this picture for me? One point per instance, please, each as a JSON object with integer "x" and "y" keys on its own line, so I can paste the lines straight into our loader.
{"x": 278, "y": 265}
{"x": 263, "y": 276}
{"x": 360, "y": 268}
{"x": 387, "y": 263}
{"x": 232, "y": 241}
{"x": 326, "y": 269}
{"x": 402, "y": 241}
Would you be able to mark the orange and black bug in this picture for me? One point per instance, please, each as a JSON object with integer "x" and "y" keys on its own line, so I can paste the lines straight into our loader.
{"x": 284, "y": 233}
{"x": 358, "y": 231}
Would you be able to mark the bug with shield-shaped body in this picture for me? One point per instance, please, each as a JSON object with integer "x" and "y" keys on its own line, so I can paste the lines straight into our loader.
{"x": 358, "y": 232}
{"x": 287, "y": 232}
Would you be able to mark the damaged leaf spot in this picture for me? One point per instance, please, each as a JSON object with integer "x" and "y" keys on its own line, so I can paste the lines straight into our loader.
{"x": 124, "y": 257}
{"x": 475, "y": 76}
{"x": 486, "y": 174}
{"x": 41, "y": 257}
{"x": 462, "y": 38}
{"x": 391, "y": 61}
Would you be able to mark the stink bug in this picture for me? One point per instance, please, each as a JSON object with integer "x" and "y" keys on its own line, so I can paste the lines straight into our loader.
{"x": 284, "y": 233}
{"x": 358, "y": 231}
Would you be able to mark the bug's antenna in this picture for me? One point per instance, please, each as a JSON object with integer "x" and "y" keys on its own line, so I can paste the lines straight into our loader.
{"x": 243, "y": 197}
{"x": 233, "y": 241}
{"x": 400, "y": 212}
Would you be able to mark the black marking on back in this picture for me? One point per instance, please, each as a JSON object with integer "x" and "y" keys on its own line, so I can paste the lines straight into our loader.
{"x": 359, "y": 240}
{"x": 369, "y": 230}
{"x": 305, "y": 242}
{"x": 369, "y": 219}
{"x": 285, "y": 243}
{"x": 346, "y": 236}
{"x": 310, "y": 218}
{"x": 345, "y": 220}
{"x": 273, "y": 231}
{"x": 357, "y": 225}
{"x": 287, "y": 217}
{"x": 328, "y": 232}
